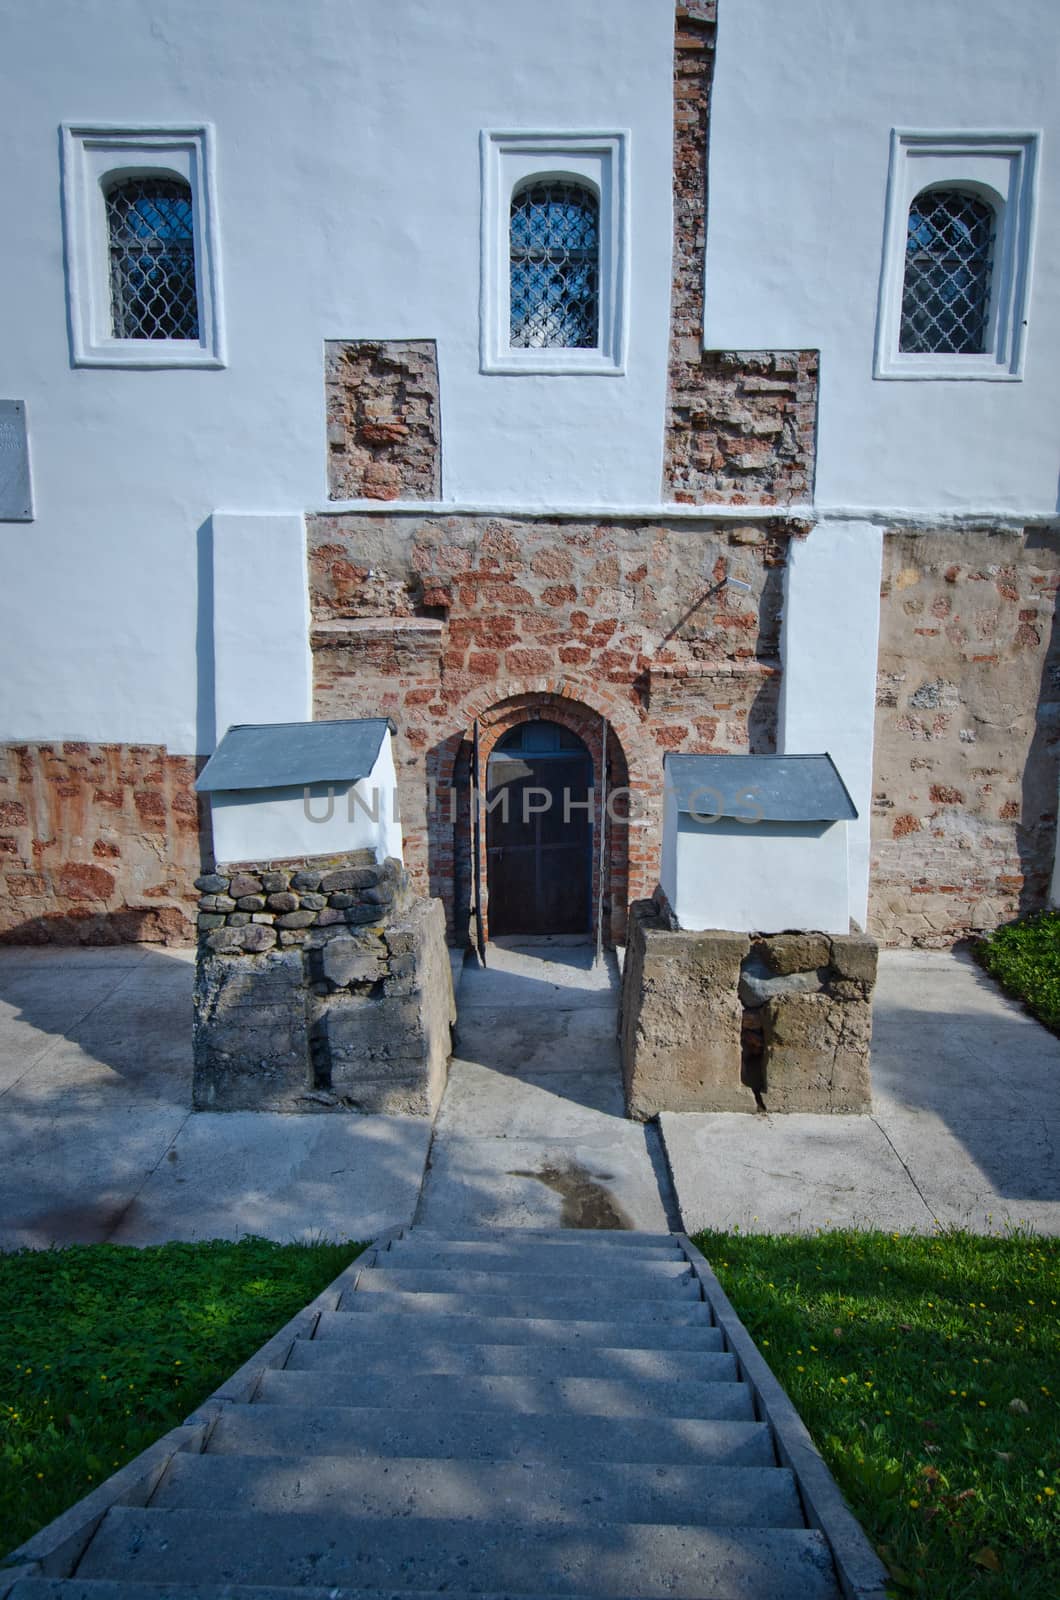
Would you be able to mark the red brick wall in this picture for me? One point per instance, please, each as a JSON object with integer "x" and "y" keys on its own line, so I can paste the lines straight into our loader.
{"x": 967, "y": 733}
{"x": 99, "y": 844}
{"x": 439, "y": 620}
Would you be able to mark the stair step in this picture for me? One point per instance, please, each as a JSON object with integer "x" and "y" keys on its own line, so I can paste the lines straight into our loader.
{"x": 116, "y": 1589}
{"x": 514, "y": 1396}
{"x": 464, "y": 1491}
{"x": 648, "y": 1559}
{"x": 676, "y": 1312}
{"x": 375, "y": 1320}
{"x": 264, "y": 1429}
{"x": 370, "y": 1359}
{"x": 529, "y": 1258}
{"x": 599, "y": 1238}
{"x": 620, "y": 1286}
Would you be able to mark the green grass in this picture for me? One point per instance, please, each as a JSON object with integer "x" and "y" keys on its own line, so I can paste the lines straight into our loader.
{"x": 104, "y": 1347}
{"x": 1024, "y": 957}
{"x": 928, "y": 1372}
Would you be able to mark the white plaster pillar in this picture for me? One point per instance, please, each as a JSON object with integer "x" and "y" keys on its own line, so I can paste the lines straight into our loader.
{"x": 829, "y": 648}
{"x": 263, "y": 669}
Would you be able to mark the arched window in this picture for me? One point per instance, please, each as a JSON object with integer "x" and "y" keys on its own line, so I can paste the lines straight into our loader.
{"x": 948, "y": 262}
{"x": 152, "y": 258}
{"x": 555, "y": 266}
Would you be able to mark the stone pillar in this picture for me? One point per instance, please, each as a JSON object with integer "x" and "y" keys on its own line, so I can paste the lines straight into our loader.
{"x": 322, "y": 985}
{"x": 681, "y": 1018}
{"x": 721, "y": 1021}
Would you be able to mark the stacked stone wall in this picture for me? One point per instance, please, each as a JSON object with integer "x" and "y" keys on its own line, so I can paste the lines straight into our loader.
{"x": 437, "y": 621}
{"x": 99, "y": 844}
{"x": 740, "y": 425}
{"x": 381, "y": 397}
{"x": 967, "y": 732}
{"x": 320, "y": 985}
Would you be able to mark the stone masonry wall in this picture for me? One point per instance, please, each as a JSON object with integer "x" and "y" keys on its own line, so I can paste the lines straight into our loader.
{"x": 967, "y": 733}
{"x": 320, "y": 985}
{"x": 721, "y": 1021}
{"x": 99, "y": 844}
{"x": 438, "y": 620}
{"x": 740, "y": 425}
{"x": 381, "y": 398}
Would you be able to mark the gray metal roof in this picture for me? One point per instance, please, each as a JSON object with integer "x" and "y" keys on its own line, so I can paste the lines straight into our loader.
{"x": 280, "y": 755}
{"x": 760, "y": 788}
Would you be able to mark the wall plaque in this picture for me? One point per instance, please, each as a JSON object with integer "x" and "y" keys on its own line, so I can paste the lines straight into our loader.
{"x": 16, "y": 494}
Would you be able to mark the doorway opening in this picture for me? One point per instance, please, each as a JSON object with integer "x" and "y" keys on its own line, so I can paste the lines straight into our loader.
{"x": 539, "y": 831}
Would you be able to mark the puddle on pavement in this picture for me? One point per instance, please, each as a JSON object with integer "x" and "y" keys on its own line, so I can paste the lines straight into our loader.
{"x": 586, "y": 1203}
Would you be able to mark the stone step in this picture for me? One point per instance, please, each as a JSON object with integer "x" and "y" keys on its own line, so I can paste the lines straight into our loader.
{"x": 370, "y": 1359}
{"x": 528, "y": 1257}
{"x": 377, "y": 1321}
{"x": 599, "y": 1238}
{"x": 618, "y": 1287}
{"x": 262, "y": 1429}
{"x": 677, "y": 1313}
{"x": 654, "y": 1561}
{"x": 116, "y": 1589}
{"x": 514, "y": 1396}
{"x": 759, "y": 1497}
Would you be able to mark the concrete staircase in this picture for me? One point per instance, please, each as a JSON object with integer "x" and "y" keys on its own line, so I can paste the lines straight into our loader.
{"x": 514, "y": 1413}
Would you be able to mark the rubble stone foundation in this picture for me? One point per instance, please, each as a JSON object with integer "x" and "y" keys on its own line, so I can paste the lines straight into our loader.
{"x": 320, "y": 986}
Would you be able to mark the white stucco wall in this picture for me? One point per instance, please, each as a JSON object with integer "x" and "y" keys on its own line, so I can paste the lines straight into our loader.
{"x": 282, "y": 824}
{"x": 806, "y": 93}
{"x": 830, "y": 646}
{"x": 262, "y": 664}
{"x": 347, "y": 146}
{"x": 764, "y": 877}
{"x": 348, "y": 199}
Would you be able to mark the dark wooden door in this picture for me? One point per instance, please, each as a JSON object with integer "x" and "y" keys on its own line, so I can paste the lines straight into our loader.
{"x": 539, "y": 834}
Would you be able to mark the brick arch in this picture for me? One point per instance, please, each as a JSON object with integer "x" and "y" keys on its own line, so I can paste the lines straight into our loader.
{"x": 449, "y": 842}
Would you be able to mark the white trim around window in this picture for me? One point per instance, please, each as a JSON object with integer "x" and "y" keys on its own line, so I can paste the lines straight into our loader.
{"x": 597, "y": 160}
{"x": 93, "y": 155}
{"x": 1000, "y": 168}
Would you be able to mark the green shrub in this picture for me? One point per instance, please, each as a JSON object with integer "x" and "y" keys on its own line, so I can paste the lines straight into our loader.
{"x": 1024, "y": 957}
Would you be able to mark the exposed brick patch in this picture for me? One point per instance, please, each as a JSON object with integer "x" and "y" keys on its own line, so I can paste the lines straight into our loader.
{"x": 740, "y": 425}
{"x": 628, "y": 619}
{"x": 383, "y": 419}
{"x": 967, "y": 738}
{"x": 103, "y": 844}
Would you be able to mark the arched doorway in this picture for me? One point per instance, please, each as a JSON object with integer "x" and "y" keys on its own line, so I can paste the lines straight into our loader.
{"x": 539, "y": 831}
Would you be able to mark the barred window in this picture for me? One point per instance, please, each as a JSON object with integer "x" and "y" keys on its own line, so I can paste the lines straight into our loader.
{"x": 555, "y": 266}
{"x": 948, "y": 263}
{"x": 152, "y": 259}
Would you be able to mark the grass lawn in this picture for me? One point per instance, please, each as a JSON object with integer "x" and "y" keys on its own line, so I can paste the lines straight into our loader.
{"x": 1024, "y": 957}
{"x": 928, "y": 1372}
{"x": 103, "y": 1347}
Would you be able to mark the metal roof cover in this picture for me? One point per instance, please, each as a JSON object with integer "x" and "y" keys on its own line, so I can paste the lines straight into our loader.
{"x": 282, "y": 755}
{"x": 760, "y": 788}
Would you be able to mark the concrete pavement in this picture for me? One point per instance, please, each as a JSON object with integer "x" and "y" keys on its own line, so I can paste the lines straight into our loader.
{"x": 964, "y": 1130}
{"x": 531, "y": 1132}
{"x": 98, "y": 1141}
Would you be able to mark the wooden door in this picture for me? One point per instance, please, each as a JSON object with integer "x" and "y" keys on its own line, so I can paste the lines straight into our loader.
{"x": 539, "y": 832}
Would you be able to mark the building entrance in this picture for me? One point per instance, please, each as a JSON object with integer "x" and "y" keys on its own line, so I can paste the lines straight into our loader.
{"x": 539, "y": 832}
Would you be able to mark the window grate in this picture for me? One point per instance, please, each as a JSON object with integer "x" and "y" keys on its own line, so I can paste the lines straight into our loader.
{"x": 152, "y": 259}
{"x": 948, "y": 261}
{"x": 555, "y": 267}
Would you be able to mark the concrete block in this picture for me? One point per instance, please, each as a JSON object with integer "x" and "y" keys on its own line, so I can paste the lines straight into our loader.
{"x": 250, "y": 1039}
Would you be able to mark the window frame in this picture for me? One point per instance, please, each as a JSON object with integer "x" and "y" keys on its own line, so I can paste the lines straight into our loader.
{"x": 1001, "y": 170}
{"x": 93, "y": 158}
{"x": 599, "y": 161}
